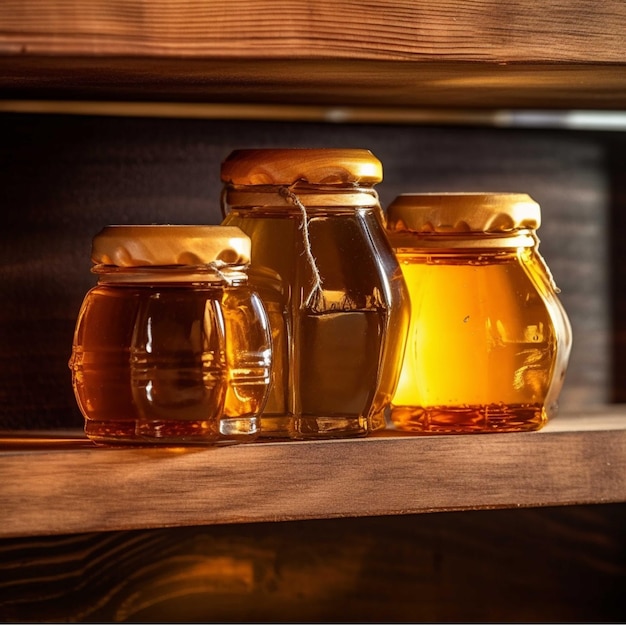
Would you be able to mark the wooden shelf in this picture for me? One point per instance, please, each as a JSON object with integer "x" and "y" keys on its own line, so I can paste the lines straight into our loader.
{"x": 64, "y": 484}
{"x": 195, "y": 550}
{"x": 558, "y": 54}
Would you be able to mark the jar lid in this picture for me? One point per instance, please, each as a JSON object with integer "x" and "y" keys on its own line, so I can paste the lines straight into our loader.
{"x": 145, "y": 245}
{"x": 328, "y": 166}
{"x": 463, "y": 212}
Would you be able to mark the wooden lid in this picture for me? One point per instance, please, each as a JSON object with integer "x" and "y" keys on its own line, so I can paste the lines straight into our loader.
{"x": 162, "y": 245}
{"x": 462, "y": 212}
{"x": 328, "y": 166}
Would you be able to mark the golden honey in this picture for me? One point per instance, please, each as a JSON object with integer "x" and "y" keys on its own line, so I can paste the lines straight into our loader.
{"x": 331, "y": 284}
{"x": 171, "y": 345}
{"x": 489, "y": 341}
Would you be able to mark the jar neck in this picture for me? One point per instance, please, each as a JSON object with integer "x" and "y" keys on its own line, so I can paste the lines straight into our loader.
{"x": 213, "y": 274}
{"x": 523, "y": 238}
{"x": 281, "y": 197}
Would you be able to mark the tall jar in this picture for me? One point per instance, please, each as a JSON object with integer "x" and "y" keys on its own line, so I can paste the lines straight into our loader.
{"x": 172, "y": 345}
{"x": 334, "y": 291}
{"x": 489, "y": 341}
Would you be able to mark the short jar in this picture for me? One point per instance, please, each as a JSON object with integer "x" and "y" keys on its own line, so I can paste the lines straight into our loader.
{"x": 172, "y": 345}
{"x": 489, "y": 340}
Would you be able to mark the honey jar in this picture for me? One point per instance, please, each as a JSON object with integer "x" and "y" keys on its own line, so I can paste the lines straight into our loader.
{"x": 489, "y": 341}
{"x": 332, "y": 286}
{"x": 171, "y": 345}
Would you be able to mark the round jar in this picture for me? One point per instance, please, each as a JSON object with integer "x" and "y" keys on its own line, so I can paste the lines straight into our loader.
{"x": 334, "y": 291}
{"x": 172, "y": 345}
{"x": 489, "y": 340}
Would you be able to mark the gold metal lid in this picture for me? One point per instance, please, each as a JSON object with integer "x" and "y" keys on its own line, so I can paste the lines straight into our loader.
{"x": 328, "y": 166}
{"x": 462, "y": 212}
{"x": 145, "y": 245}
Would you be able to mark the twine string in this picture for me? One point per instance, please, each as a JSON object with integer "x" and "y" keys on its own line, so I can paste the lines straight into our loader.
{"x": 316, "y": 288}
{"x": 216, "y": 266}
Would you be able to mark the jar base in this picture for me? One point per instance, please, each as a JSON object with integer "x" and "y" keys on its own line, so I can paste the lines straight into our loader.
{"x": 317, "y": 427}
{"x": 309, "y": 427}
{"x": 173, "y": 432}
{"x": 278, "y": 427}
{"x": 490, "y": 418}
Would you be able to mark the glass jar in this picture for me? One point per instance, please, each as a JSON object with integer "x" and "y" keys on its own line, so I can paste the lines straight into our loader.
{"x": 172, "y": 345}
{"x": 489, "y": 340}
{"x": 333, "y": 289}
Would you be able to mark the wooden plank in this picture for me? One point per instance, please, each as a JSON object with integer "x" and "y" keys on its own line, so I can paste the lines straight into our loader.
{"x": 329, "y": 82}
{"x": 49, "y": 489}
{"x": 450, "y": 54}
{"x": 483, "y": 30}
{"x": 470, "y": 567}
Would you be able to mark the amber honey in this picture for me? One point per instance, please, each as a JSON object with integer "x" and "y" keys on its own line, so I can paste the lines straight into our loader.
{"x": 333, "y": 350}
{"x": 488, "y": 340}
{"x": 171, "y": 354}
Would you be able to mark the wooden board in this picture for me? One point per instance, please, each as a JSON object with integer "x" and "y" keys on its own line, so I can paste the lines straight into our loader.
{"x": 483, "y": 30}
{"x": 450, "y": 54}
{"x": 52, "y": 487}
{"x": 543, "y": 565}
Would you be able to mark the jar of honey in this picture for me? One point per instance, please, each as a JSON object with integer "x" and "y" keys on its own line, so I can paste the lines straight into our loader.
{"x": 489, "y": 341}
{"x": 331, "y": 284}
{"x": 172, "y": 345}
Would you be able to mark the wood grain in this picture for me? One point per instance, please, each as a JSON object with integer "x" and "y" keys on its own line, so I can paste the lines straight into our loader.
{"x": 547, "y": 565}
{"x": 481, "y": 30}
{"x": 51, "y": 490}
{"x": 450, "y": 54}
